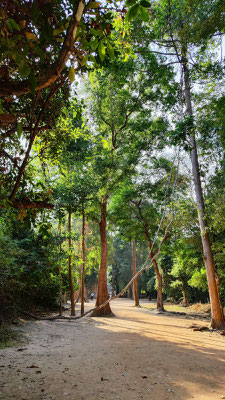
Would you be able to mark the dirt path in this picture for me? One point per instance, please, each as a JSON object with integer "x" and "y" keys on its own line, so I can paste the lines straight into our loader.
{"x": 135, "y": 355}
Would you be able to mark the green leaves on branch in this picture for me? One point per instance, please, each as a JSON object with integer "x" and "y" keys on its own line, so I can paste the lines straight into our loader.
{"x": 12, "y": 25}
{"x": 24, "y": 70}
{"x": 181, "y": 135}
{"x": 101, "y": 51}
{"x": 111, "y": 51}
{"x": 137, "y": 8}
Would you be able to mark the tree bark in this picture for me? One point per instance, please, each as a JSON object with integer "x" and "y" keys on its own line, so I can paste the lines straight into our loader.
{"x": 135, "y": 289}
{"x": 160, "y": 306}
{"x": 113, "y": 291}
{"x": 130, "y": 293}
{"x": 185, "y": 294}
{"x": 60, "y": 267}
{"x": 70, "y": 267}
{"x": 83, "y": 264}
{"x": 103, "y": 295}
{"x": 217, "y": 317}
{"x": 130, "y": 289}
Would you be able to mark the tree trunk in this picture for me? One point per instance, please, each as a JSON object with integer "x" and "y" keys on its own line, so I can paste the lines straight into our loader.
{"x": 60, "y": 266}
{"x": 185, "y": 294}
{"x": 217, "y": 317}
{"x": 160, "y": 306}
{"x": 155, "y": 265}
{"x": 103, "y": 295}
{"x": 70, "y": 268}
{"x": 77, "y": 295}
{"x": 83, "y": 264}
{"x": 135, "y": 289}
{"x": 113, "y": 292}
{"x": 130, "y": 294}
{"x": 117, "y": 283}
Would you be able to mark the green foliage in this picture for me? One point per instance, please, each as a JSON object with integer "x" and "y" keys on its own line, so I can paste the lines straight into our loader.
{"x": 29, "y": 265}
{"x": 199, "y": 280}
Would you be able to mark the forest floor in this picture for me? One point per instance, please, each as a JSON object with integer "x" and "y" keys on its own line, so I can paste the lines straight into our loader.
{"x": 136, "y": 355}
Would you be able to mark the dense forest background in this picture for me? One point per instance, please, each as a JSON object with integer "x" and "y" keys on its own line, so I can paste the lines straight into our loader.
{"x": 112, "y": 150}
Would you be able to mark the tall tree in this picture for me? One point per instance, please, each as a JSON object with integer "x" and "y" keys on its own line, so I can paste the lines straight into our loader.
{"x": 173, "y": 29}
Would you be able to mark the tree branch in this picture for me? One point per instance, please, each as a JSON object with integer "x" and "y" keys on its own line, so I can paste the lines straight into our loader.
{"x": 32, "y": 138}
{"x": 26, "y": 204}
{"x": 11, "y": 158}
{"x": 127, "y": 116}
{"x": 54, "y": 72}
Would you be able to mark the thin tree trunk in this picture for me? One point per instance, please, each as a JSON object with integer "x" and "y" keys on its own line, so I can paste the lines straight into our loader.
{"x": 113, "y": 291}
{"x": 160, "y": 306}
{"x": 77, "y": 295}
{"x": 70, "y": 268}
{"x": 130, "y": 294}
{"x": 103, "y": 295}
{"x": 217, "y": 317}
{"x": 83, "y": 264}
{"x": 185, "y": 294}
{"x": 117, "y": 282}
{"x": 60, "y": 266}
{"x": 135, "y": 289}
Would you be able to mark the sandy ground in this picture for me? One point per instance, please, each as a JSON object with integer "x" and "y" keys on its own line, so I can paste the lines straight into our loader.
{"x": 135, "y": 355}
